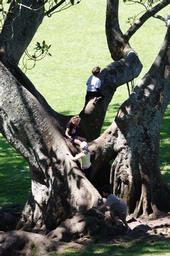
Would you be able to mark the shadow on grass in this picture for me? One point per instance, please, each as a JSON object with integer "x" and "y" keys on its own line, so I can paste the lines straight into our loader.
{"x": 14, "y": 176}
{"x": 148, "y": 246}
{"x": 165, "y": 146}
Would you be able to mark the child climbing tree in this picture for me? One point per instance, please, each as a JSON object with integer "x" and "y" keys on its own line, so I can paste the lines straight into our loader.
{"x": 59, "y": 189}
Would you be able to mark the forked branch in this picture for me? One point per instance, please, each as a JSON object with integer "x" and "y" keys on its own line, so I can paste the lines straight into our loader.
{"x": 148, "y": 14}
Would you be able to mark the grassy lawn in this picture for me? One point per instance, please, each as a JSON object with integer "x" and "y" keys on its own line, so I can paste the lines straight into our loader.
{"x": 78, "y": 43}
{"x": 137, "y": 247}
{"x": 14, "y": 176}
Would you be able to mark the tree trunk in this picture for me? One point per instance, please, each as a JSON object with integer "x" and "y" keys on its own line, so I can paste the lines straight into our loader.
{"x": 59, "y": 188}
{"x": 139, "y": 120}
{"x": 21, "y": 23}
{"x": 134, "y": 139}
{"x": 126, "y": 67}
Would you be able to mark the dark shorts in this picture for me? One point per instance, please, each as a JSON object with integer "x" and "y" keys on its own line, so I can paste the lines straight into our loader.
{"x": 92, "y": 95}
{"x": 72, "y": 138}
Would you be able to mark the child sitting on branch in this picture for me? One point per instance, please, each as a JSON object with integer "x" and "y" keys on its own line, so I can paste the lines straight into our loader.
{"x": 71, "y": 130}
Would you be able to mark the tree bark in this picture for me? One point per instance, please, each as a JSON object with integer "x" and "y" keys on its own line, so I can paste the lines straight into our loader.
{"x": 149, "y": 13}
{"x": 21, "y": 23}
{"x": 134, "y": 139}
{"x": 59, "y": 188}
{"x": 126, "y": 67}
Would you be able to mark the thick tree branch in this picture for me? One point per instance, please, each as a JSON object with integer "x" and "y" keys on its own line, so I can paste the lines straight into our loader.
{"x": 150, "y": 88}
{"x": 113, "y": 32}
{"x": 126, "y": 67}
{"x": 133, "y": 139}
{"x": 19, "y": 28}
{"x": 33, "y": 131}
{"x": 150, "y": 13}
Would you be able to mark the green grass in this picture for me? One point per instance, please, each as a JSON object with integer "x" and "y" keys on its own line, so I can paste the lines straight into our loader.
{"x": 165, "y": 147}
{"x": 142, "y": 247}
{"x": 78, "y": 43}
{"x": 14, "y": 176}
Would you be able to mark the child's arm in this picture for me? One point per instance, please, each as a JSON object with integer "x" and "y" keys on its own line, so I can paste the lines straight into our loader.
{"x": 78, "y": 156}
{"x": 104, "y": 206}
{"x": 67, "y": 133}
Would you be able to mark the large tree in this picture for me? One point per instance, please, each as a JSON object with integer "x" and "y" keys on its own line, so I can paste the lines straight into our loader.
{"x": 128, "y": 149}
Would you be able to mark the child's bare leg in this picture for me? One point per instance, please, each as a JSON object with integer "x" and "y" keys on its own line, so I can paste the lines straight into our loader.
{"x": 77, "y": 141}
{"x": 81, "y": 138}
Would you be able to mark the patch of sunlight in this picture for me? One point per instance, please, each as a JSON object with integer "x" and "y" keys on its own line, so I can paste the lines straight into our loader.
{"x": 70, "y": 250}
{"x": 99, "y": 250}
{"x": 165, "y": 168}
{"x": 165, "y": 140}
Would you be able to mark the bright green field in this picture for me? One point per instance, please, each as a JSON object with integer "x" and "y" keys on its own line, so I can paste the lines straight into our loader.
{"x": 78, "y": 43}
